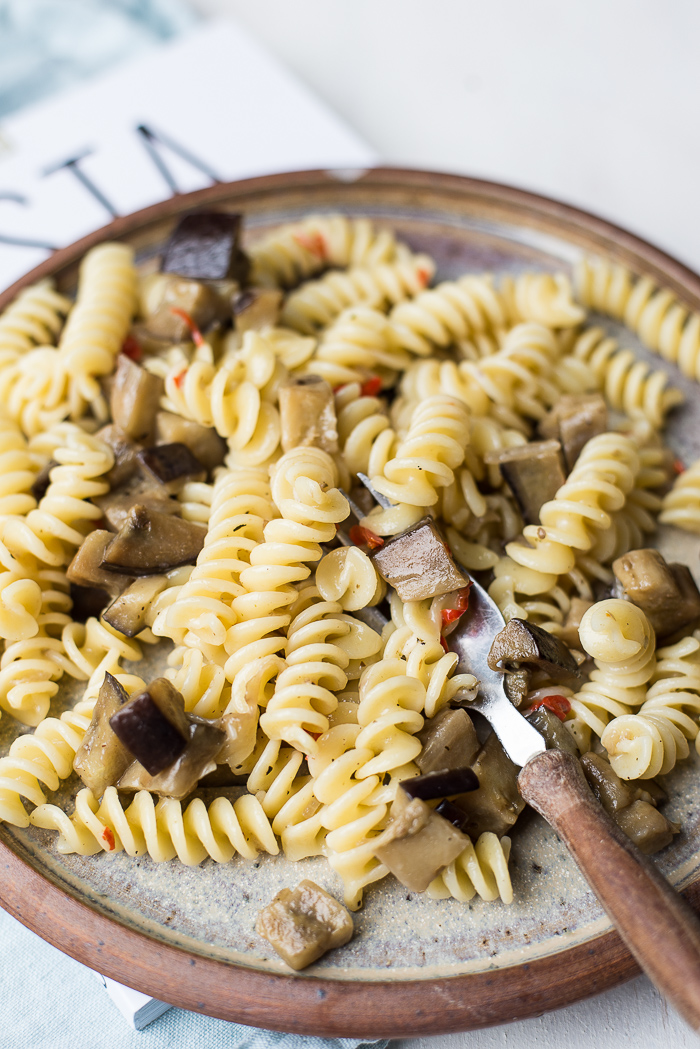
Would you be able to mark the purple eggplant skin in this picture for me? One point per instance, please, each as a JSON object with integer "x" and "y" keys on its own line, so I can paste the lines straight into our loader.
{"x": 205, "y": 246}
{"x": 456, "y": 816}
{"x": 153, "y": 726}
{"x": 172, "y": 463}
{"x": 443, "y": 783}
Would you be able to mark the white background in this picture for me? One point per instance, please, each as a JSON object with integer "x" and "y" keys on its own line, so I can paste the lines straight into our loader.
{"x": 596, "y": 103}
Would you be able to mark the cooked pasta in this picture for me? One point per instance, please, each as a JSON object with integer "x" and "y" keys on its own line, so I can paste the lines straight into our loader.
{"x": 286, "y": 627}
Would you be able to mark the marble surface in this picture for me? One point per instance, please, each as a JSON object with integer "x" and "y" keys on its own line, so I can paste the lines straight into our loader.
{"x": 592, "y": 103}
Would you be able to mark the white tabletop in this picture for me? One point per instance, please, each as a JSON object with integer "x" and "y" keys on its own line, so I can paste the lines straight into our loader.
{"x": 595, "y": 104}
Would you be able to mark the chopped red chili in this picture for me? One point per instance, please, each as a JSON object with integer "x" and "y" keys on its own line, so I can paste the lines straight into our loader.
{"x": 423, "y": 275}
{"x": 180, "y": 378}
{"x": 108, "y": 836}
{"x": 678, "y": 467}
{"x": 558, "y": 705}
{"x": 444, "y": 644}
{"x": 313, "y": 242}
{"x": 449, "y": 615}
{"x": 371, "y": 387}
{"x": 132, "y": 349}
{"x": 362, "y": 536}
{"x": 197, "y": 337}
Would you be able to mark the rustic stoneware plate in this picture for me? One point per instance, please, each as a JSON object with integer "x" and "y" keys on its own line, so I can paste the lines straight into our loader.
{"x": 415, "y": 966}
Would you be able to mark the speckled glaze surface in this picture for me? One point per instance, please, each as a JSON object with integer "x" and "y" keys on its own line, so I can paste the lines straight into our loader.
{"x": 209, "y": 911}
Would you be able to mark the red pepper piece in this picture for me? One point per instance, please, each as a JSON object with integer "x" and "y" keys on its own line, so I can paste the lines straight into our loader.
{"x": 449, "y": 615}
{"x": 558, "y": 705}
{"x": 132, "y": 349}
{"x": 108, "y": 836}
{"x": 197, "y": 337}
{"x": 423, "y": 275}
{"x": 362, "y": 536}
{"x": 678, "y": 467}
{"x": 180, "y": 378}
{"x": 313, "y": 242}
{"x": 371, "y": 387}
{"x": 444, "y": 644}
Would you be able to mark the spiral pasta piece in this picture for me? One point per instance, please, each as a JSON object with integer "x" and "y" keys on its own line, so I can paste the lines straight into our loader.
{"x": 545, "y": 298}
{"x": 321, "y": 641}
{"x": 662, "y": 323}
{"x": 303, "y": 489}
{"x": 681, "y": 506}
{"x": 482, "y": 868}
{"x": 366, "y": 437}
{"x": 425, "y": 461}
{"x": 162, "y": 829}
{"x": 629, "y": 384}
{"x": 622, "y": 642}
{"x": 203, "y": 613}
{"x": 300, "y": 249}
{"x": 34, "y": 318}
{"x": 355, "y": 345}
{"x": 55, "y": 529}
{"x": 427, "y": 662}
{"x": 317, "y": 303}
{"x": 452, "y": 311}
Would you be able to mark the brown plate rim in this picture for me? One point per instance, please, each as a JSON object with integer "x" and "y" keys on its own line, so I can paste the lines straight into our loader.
{"x": 309, "y": 1004}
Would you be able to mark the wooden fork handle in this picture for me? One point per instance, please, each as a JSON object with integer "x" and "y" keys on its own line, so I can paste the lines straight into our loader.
{"x": 660, "y": 929}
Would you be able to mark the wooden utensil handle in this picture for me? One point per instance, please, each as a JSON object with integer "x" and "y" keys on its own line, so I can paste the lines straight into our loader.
{"x": 657, "y": 925}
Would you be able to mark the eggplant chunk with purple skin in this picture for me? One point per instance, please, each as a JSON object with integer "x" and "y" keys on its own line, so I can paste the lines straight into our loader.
{"x": 172, "y": 465}
{"x": 205, "y": 245}
{"x": 177, "y": 302}
{"x": 150, "y": 543}
{"x": 203, "y": 441}
{"x": 496, "y": 804}
{"x": 449, "y": 741}
{"x": 632, "y": 807}
{"x": 102, "y": 757}
{"x": 523, "y": 644}
{"x": 129, "y": 610}
{"x": 418, "y": 563}
{"x": 180, "y": 778}
{"x": 153, "y": 726}
{"x": 303, "y": 923}
{"x": 256, "y": 308}
{"x": 118, "y": 504}
{"x": 125, "y": 451}
{"x": 573, "y": 421}
{"x": 86, "y": 568}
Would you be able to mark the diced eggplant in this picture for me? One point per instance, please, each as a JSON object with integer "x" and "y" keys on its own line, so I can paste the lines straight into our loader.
{"x": 256, "y": 308}
{"x": 612, "y": 792}
{"x": 569, "y": 635}
{"x": 307, "y": 414}
{"x": 205, "y": 246}
{"x": 303, "y": 923}
{"x": 171, "y": 465}
{"x": 128, "y": 612}
{"x": 43, "y": 480}
{"x": 556, "y": 736}
{"x": 135, "y": 399}
{"x": 667, "y": 593}
{"x": 203, "y": 441}
{"x": 102, "y": 758}
{"x": 516, "y": 685}
{"x": 86, "y": 567}
{"x": 150, "y": 543}
{"x": 646, "y": 826}
{"x": 117, "y": 505}
{"x": 449, "y": 741}
{"x": 417, "y": 843}
{"x": 87, "y": 601}
{"x": 181, "y": 303}
{"x": 521, "y": 642}
{"x": 456, "y": 816}
{"x": 181, "y": 777}
{"x": 443, "y": 783}
{"x": 534, "y": 473}
{"x": 496, "y": 805}
{"x": 153, "y": 726}
{"x": 125, "y": 451}
{"x": 574, "y": 420}
{"x": 418, "y": 563}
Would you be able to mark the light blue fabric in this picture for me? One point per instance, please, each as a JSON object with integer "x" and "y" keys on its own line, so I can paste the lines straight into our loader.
{"x": 47, "y": 44}
{"x": 49, "y": 1001}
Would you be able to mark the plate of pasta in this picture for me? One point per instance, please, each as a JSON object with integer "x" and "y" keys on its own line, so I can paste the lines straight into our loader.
{"x": 255, "y": 445}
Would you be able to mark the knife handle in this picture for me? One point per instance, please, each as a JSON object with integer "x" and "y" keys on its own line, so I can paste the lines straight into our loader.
{"x": 658, "y": 926}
